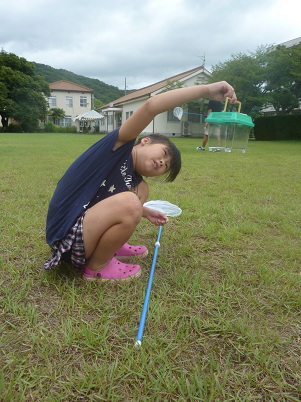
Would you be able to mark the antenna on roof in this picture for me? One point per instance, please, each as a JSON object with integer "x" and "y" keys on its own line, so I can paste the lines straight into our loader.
{"x": 203, "y": 58}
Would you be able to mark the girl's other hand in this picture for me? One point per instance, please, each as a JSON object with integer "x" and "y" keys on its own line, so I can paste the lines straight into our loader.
{"x": 156, "y": 217}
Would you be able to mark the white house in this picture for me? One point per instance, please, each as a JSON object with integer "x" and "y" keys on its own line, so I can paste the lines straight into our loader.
{"x": 192, "y": 123}
{"x": 74, "y": 99}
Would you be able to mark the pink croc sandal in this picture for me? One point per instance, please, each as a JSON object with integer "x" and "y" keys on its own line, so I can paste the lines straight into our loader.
{"x": 114, "y": 271}
{"x": 127, "y": 251}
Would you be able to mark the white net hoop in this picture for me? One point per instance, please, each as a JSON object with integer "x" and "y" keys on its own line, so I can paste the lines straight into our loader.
{"x": 178, "y": 112}
{"x": 165, "y": 207}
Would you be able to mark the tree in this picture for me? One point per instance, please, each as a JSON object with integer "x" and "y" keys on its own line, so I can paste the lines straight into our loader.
{"x": 97, "y": 104}
{"x": 283, "y": 80}
{"x": 57, "y": 114}
{"x": 247, "y": 75}
{"x": 296, "y": 62}
{"x": 104, "y": 92}
{"x": 22, "y": 93}
{"x": 269, "y": 76}
{"x": 197, "y": 105}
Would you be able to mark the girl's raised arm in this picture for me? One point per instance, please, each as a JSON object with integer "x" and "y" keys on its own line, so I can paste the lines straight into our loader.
{"x": 155, "y": 105}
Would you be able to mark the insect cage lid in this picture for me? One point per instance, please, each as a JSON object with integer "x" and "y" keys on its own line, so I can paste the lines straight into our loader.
{"x": 229, "y": 119}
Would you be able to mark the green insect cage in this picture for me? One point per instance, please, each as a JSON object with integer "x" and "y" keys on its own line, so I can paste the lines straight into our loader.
{"x": 228, "y": 130}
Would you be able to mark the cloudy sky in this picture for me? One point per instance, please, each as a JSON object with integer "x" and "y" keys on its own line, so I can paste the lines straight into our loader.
{"x": 143, "y": 40}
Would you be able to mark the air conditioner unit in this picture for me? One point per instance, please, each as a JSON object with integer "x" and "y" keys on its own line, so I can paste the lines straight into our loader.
{"x": 186, "y": 129}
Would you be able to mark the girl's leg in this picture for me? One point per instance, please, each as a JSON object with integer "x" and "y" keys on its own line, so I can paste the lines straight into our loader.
{"x": 108, "y": 225}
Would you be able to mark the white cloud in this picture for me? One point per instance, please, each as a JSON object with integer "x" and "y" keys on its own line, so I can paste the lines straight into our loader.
{"x": 143, "y": 41}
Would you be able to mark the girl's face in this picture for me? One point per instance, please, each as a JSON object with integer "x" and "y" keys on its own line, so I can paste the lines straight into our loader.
{"x": 151, "y": 159}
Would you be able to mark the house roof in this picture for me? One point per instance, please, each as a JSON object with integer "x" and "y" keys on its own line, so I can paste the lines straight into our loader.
{"x": 146, "y": 91}
{"x": 64, "y": 85}
{"x": 291, "y": 42}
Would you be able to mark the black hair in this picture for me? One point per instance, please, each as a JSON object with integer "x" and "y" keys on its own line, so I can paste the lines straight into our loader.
{"x": 175, "y": 154}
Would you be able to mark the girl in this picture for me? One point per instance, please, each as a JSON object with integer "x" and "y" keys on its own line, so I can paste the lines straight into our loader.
{"x": 99, "y": 201}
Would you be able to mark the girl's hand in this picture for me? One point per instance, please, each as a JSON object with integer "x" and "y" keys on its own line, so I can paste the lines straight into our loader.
{"x": 220, "y": 91}
{"x": 155, "y": 217}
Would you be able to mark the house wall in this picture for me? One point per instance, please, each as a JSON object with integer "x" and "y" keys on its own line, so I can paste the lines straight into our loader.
{"x": 76, "y": 109}
{"x": 176, "y": 128}
{"x": 160, "y": 124}
{"x": 131, "y": 107}
{"x": 113, "y": 120}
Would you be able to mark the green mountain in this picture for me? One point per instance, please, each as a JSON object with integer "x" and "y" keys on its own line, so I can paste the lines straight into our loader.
{"x": 104, "y": 92}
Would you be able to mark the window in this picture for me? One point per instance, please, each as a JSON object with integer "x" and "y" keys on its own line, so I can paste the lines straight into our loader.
{"x": 102, "y": 122}
{"x": 69, "y": 101}
{"x": 110, "y": 120}
{"x": 67, "y": 121}
{"x": 171, "y": 117}
{"x": 128, "y": 114}
{"x": 52, "y": 101}
{"x": 83, "y": 101}
{"x": 194, "y": 115}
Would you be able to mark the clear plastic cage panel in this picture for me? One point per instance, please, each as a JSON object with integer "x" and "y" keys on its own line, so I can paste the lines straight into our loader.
{"x": 237, "y": 137}
{"x": 228, "y": 131}
{"x": 217, "y": 136}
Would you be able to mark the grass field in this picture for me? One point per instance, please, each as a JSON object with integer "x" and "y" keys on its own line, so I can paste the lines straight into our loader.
{"x": 224, "y": 315}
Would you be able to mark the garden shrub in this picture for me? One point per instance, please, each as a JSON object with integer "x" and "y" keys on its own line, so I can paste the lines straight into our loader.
{"x": 14, "y": 128}
{"x": 278, "y": 128}
{"x": 67, "y": 129}
{"x": 50, "y": 127}
{"x": 96, "y": 129}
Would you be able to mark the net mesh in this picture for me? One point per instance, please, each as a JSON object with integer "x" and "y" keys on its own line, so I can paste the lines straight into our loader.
{"x": 178, "y": 112}
{"x": 165, "y": 207}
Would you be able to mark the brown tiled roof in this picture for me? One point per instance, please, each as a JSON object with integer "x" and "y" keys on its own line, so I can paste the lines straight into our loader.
{"x": 64, "y": 85}
{"x": 152, "y": 88}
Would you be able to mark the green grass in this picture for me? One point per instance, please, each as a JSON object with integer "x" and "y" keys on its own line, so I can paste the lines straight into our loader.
{"x": 224, "y": 314}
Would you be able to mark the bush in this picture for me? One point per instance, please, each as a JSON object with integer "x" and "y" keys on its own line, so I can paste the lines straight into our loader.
{"x": 96, "y": 129}
{"x": 30, "y": 126}
{"x": 278, "y": 128}
{"x": 14, "y": 128}
{"x": 50, "y": 127}
{"x": 67, "y": 129}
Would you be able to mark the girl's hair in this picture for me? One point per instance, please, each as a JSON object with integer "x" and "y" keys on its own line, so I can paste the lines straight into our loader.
{"x": 175, "y": 154}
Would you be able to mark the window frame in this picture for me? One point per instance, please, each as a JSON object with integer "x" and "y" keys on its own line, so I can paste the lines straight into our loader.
{"x": 69, "y": 98}
{"x": 83, "y": 101}
{"x": 171, "y": 118}
{"x": 52, "y": 101}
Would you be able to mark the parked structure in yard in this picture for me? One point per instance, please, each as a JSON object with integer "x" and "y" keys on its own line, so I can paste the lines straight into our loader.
{"x": 90, "y": 119}
{"x": 74, "y": 99}
{"x": 192, "y": 123}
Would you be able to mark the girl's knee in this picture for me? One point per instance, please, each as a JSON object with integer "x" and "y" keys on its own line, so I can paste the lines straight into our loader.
{"x": 132, "y": 206}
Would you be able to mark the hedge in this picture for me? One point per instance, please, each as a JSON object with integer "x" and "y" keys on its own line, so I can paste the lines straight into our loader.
{"x": 278, "y": 128}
